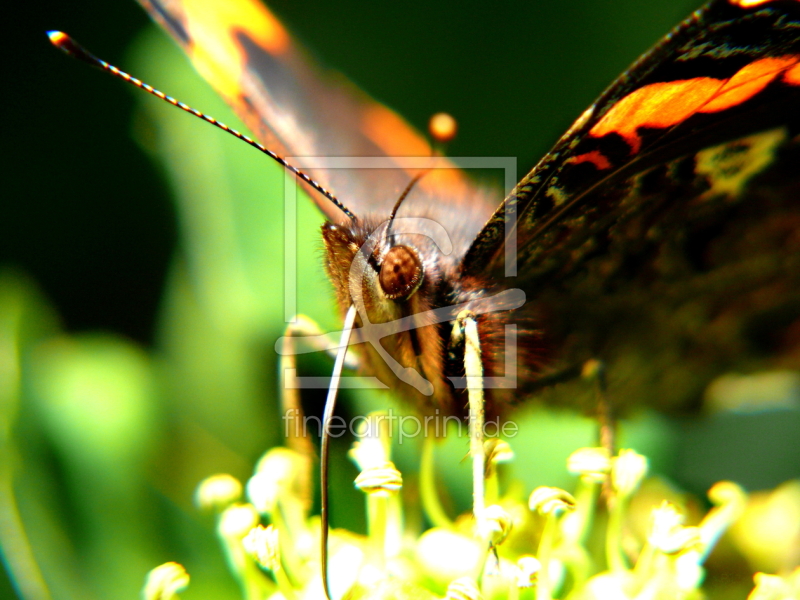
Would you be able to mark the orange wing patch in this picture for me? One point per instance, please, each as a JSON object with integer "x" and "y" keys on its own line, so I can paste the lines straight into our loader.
{"x": 214, "y": 48}
{"x": 749, "y": 3}
{"x": 595, "y": 157}
{"x": 391, "y": 133}
{"x": 792, "y": 76}
{"x": 662, "y": 105}
{"x": 397, "y": 139}
{"x": 748, "y": 82}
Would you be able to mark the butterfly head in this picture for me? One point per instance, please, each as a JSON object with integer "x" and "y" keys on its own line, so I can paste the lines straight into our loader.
{"x": 373, "y": 268}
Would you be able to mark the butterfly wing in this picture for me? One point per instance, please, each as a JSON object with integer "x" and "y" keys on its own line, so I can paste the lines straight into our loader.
{"x": 293, "y": 109}
{"x": 664, "y": 223}
{"x": 729, "y": 70}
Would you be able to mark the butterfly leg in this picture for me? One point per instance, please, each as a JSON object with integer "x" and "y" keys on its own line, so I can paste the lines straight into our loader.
{"x": 473, "y": 367}
{"x": 595, "y": 371}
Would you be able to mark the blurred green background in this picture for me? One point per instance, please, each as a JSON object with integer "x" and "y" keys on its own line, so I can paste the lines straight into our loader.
{"x": 141, "y": 271}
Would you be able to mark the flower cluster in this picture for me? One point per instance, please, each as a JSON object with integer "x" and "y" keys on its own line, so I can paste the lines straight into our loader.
{"x": 576, "y": 545}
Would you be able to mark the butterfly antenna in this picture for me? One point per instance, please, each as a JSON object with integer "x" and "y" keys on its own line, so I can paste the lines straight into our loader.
{"x": 442, "y": 128}
{"x": 330, "y": 404}
{"x": 64, "y": 42}
{"x": 388, "y": 231}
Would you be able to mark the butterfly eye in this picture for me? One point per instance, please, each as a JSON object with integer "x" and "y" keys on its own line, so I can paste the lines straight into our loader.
{"x": 401, "y": 273}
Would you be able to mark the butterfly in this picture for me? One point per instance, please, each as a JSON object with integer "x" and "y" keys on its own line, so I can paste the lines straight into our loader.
{"x": 627, "y": 235}
{"x": 658, "y": 234}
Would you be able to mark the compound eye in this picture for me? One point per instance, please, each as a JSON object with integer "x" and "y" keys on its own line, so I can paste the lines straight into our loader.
{"x": 401, "y": 273}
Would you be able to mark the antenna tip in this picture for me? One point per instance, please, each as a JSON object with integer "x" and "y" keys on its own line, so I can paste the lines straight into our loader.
{"x": 66, "y": 44}
{"x": 57, "y": 37}
{"x": 443, "y": 127}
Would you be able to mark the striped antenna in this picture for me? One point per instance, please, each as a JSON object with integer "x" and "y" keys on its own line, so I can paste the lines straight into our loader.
{"x": 64, "y": 42}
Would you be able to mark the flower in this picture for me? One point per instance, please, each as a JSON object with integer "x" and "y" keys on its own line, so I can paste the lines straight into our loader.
{"x": 217, "y": 492}
{"x": 539, "y": 550}
{"x": 165, "y": 581}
